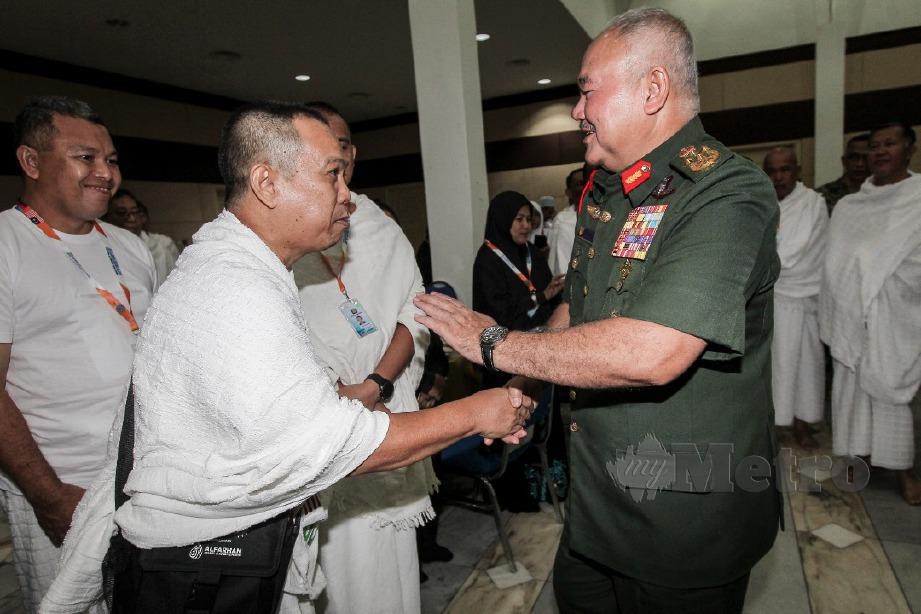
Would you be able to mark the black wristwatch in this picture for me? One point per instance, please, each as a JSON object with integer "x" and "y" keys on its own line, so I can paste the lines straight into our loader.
{"x": 489, "y": 339}
{"x": 384, "y": 384}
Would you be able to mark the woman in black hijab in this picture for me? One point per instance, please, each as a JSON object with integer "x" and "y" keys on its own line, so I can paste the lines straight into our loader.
{"x": 511, "y": 282}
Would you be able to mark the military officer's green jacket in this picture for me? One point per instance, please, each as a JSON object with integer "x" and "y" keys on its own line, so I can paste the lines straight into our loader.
{"x": 684, "y": 238}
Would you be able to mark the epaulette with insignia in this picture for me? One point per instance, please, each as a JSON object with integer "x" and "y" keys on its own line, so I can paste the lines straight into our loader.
{"x": 696, "y": 161}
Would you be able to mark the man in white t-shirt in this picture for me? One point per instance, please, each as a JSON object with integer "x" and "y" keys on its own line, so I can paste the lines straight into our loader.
{"x": 72, "y": 292}
{"x": 563, "y": 233}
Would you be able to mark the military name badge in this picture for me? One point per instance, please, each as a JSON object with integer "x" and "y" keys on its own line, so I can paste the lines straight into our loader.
{"x": 638, "y": 231}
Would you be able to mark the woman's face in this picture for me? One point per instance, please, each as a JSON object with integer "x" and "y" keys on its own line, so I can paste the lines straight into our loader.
{"x": 521, "y": 225}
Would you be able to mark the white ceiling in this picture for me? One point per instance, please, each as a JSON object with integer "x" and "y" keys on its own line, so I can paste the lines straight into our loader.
{"x": 359, "y": 54}
{"x": 348, "y": 47}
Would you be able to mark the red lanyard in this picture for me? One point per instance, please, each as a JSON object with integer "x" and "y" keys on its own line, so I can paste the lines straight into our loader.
{"x": 114, "y": 303}
{"x": 338, "y": 276}
{"x": 525, "y": 279}
{"x": 586, "y": 188}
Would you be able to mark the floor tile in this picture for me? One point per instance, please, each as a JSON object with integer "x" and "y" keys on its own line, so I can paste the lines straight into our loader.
{"x": 546, "y": 604}
{"x": 893, "y": 519}
{"x": 906, "y": 562}
{"x": 777, "y": 583}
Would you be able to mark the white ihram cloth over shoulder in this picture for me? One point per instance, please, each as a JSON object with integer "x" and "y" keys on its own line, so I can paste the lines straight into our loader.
{"x": 235, "y": 420}
{"x": 367, "y": 546}
{"x": 798, "y": 371}
{"x": 379, "y": 272}
{"x": 870, "y": 316}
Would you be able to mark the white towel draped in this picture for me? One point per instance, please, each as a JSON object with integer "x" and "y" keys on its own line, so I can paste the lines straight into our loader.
{"x": 235, "y": 420}
{"x": 380, "y": 272}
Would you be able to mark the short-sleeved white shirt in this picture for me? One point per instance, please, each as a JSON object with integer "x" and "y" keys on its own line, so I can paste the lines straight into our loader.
{"x": 71, "y": 354}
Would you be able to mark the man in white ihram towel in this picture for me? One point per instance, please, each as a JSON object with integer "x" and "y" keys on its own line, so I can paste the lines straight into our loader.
{"x": 798, "y": 359}
{"x": 870, "y": 310}
{"x": 368, "y": 543}
{"x": 236, "y": 422}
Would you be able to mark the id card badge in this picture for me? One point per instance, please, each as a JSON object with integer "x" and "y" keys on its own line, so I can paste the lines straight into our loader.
{"x": 357, "y": 318}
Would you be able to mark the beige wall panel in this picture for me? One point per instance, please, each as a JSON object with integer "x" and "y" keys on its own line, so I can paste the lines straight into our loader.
{"x": 24, "y": 86}
{"x": 853, "y": 73}
{"x": 408, "y": 200}
{"x": 889, "y": 68}
{"x": 529, "y": 120}
{"x": 205, "y": 125}
{"x": 551, "y": 181}
{"x": 769, "y": 85}
{"x": 150, "y": 118}
{"x": 711, "y": 93}
{"x": 518, "y": 180}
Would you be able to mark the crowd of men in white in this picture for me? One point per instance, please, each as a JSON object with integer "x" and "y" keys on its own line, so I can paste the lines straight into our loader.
{"x": 852, "y": 282}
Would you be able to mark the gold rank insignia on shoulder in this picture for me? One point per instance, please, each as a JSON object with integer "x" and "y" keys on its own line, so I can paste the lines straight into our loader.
{"x": 699, "y": 160}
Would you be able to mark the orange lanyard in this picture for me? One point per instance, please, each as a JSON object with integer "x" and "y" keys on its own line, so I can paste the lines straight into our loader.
{"x": 114, "y": 303}
{"x": 338, "y": 276}
{"x": 525, "y": 279}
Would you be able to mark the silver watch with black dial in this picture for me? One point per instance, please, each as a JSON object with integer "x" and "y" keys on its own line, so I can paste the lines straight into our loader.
{"x": 489, "y": 339}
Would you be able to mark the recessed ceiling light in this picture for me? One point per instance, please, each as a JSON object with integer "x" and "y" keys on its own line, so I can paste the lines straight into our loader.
{"x": 544, "y": 81}
{"x": 482, "y": 37}
{"x": 302, "y": 77}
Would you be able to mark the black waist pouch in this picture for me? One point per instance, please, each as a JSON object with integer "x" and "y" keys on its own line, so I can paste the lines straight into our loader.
{"x": 240, "y": 574}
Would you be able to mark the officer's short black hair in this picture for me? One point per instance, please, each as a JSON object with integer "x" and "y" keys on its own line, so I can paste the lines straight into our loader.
{"x": 34, "y": 125}
{"x": 259, "y": 132}
{"x": 907, "y": 131}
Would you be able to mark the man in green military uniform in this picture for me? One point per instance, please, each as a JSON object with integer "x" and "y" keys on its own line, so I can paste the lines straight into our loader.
{"x": 856, "y": 171}
{"x": 665, "y": 338}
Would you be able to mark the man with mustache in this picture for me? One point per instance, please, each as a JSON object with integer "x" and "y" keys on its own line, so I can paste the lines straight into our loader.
{"x": 870, "y": 310}
{"x": 664, "y": 336}
{"x": 73, "y": 291}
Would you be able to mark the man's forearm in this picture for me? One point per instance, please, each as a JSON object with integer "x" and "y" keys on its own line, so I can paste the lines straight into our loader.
{"x": 416, "y": 435}
{"x": 613, "y": 353}
{"x": 20, "y": 457}
{"x": 398, "y": 354}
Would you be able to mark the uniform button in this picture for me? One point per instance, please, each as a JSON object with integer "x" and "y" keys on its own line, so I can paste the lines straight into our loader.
{"x": 591, "y": 253}
{"x": 614, "y": 313}
{"x": 585, "y": 290}
{"x": 606, "y": 217}
{"x": 572, "y": 395}
{"x": 575, "y": 263}
{"x": 574, "y": 426}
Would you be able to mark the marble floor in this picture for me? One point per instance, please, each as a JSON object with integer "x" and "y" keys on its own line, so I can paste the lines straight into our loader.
{"x": 804, "y": 573}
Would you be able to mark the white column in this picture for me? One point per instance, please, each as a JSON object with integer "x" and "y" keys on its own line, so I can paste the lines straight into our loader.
{"x": 829, "y": 90}
{"x": 451, "y": 135}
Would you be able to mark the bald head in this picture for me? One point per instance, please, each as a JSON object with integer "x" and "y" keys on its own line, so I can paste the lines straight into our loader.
{"x": 781, "y": 166}
{"x": 654, "y": 37}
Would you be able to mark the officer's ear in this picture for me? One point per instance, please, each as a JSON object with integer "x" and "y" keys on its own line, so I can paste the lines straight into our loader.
{"x": 263, "y": 182}
{"x": 658, "y": 87}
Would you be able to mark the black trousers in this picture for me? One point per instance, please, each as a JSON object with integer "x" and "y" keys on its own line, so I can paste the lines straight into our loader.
{"x": 583, "y": 586}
